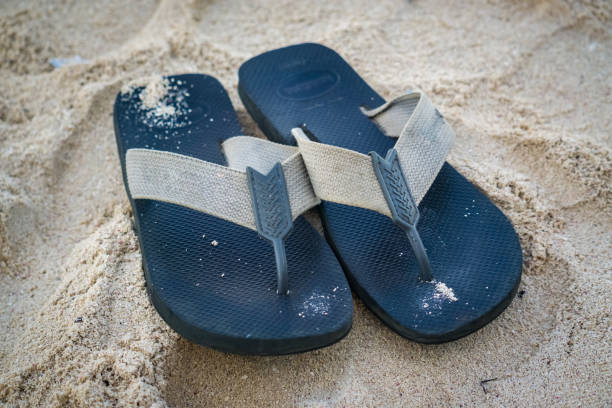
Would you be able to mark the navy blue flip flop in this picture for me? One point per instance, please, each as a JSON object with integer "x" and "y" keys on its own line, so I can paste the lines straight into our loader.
{"x": 214, "y": 282}
{"x": 475, "y": 254}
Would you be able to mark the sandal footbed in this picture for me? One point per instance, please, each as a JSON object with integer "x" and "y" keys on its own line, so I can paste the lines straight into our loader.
{"x": 472, "y": 246}
{"x": 222, "y": 294}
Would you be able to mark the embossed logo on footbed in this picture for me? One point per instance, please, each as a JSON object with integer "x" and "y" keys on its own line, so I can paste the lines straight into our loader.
{"x": 309, "y": 84}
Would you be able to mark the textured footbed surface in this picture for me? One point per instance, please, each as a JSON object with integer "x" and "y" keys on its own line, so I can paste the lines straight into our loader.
{"x": 224, "y": 296}
{"x": 473, "y": 248}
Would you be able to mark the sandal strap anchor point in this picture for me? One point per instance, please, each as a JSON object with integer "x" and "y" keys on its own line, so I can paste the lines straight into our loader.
{"x": 272, "y": 211}
{"x": 404, "y": 211}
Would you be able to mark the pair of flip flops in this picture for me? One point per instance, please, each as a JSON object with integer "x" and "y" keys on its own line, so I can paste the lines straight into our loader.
{"x": 229, "y": 259}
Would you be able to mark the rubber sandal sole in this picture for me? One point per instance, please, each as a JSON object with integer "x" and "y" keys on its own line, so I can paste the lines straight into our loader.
{"x": 474, "y": 250}
{"x": 212, "y": 281}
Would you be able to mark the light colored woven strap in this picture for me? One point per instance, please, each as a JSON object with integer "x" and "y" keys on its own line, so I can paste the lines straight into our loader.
{"x": 347, "y": 177}
{"x": 215, "y": 189}
{"x": 246, "y": 151}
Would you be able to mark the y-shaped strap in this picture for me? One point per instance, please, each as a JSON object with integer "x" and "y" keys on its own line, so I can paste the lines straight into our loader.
{"x": 266, "y": 196}
{"x": 393, "y": 186}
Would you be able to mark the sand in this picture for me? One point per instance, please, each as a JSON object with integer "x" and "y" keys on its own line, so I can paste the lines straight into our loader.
{"x": 526, "y": 85}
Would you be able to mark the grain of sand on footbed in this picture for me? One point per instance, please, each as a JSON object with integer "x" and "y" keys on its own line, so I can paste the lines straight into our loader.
{"x": 527, "y": 87}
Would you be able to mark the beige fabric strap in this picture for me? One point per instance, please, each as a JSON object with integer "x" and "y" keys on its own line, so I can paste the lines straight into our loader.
{"x": 216, "y": 189}
{"x": 347, "y": 177}
{"x": 392, "y": 116}
{"x": 246, "y": 151}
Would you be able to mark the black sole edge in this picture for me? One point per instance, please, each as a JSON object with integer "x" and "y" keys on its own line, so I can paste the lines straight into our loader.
{"x": 262, "y": 122}
{"x": 242, "y": 346}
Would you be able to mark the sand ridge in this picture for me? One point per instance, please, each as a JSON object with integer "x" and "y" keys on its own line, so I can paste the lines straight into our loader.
{"x": 527, "y": 87}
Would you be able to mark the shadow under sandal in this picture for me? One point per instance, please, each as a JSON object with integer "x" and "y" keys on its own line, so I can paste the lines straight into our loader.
{"x": 425, "y": 249}
{"x": 203, "y": 199}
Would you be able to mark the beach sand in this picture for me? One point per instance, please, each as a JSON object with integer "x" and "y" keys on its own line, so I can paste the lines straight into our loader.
{"x": 527, "y": 87}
